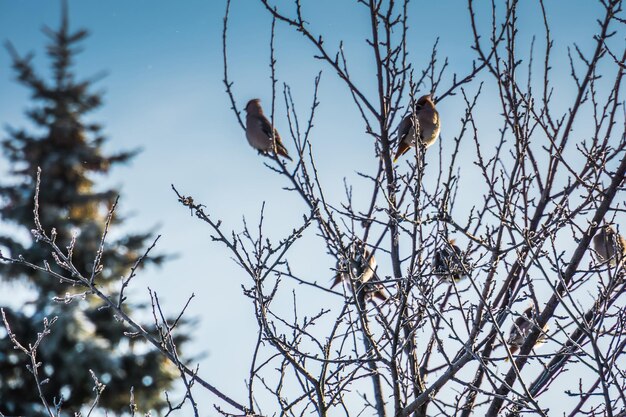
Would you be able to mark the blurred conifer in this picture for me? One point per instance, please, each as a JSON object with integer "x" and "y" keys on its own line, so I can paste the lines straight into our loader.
{"x": 68, "y": 148}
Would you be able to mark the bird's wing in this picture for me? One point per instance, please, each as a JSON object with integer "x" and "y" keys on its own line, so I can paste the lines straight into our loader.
{"x": 405, "y": 127}
{"x": 266, "y": 127}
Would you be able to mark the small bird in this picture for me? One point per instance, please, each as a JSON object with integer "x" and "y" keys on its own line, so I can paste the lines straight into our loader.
{"x": 259, "y": 131}
{"x": 450, "y": 262}
{"x": 359, "y": 267}
{"x": 520, "y": 330}
{"x": 429, "y": 126}
{"x": 609, "y": 245}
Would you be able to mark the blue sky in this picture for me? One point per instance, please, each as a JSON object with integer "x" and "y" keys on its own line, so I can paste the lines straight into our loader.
{"x": 164, "y": 93}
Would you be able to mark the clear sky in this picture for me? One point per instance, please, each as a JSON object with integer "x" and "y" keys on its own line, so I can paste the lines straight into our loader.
{"x": 164, "y": 93}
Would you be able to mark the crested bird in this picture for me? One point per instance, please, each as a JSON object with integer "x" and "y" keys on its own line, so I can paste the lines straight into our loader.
{"x": 609, "y": 245}
{"x": 449, "y": 262}
{"x": 359, "y": 267}
{"x": 521, "y": 328}
{"x": 261, "y": 135}
{"x": 428, "y": 125}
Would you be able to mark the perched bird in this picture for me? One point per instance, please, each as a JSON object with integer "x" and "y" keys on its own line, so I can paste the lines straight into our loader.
{"x": 429, "y": 126}
{"x": 609, "y": 245}
{"x": 450, "y": 262}
{"x": 359, "y": 267}
{"x": 521, "y": 328}
{"x": 259, "y": 131}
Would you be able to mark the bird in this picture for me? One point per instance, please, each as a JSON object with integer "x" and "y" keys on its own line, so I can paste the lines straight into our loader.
{"x": 260, "y": 133}
{"x": 609, "y": 245}
{"x": 359, "y": 266}
{"x": 449, "y": 262}
{"x": 429, "y": 126}
{"x": 520, "y": 330}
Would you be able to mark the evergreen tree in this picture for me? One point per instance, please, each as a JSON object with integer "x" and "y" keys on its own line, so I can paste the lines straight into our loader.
{"x": 69, "y": 151}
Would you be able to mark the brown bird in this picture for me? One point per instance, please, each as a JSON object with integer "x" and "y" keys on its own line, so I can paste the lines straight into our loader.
{"x": 260, "y": 133}
{"x": 429, "y": 126}
{"x": 359, "y": 267}
{"x": 450, "y": 262}
{"x": 521, "y": 328}
{"x": 609, "y": 245}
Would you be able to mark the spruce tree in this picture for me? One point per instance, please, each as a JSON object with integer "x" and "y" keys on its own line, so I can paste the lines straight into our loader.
{"x": 68, "y": 149}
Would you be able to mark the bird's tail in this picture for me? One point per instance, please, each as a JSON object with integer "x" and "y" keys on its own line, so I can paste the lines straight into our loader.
{"x": 513, "y": 349}
{"x": 402, "y": 149}
{"x": 282, "y": 151}
{"x": 381, "y": 295}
